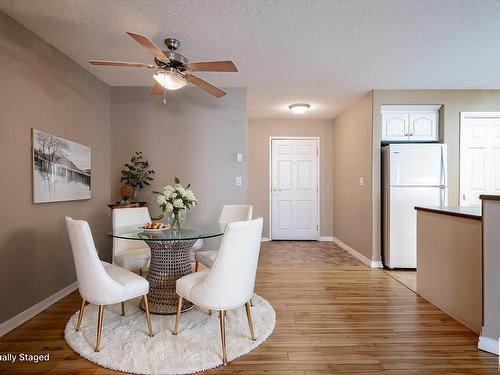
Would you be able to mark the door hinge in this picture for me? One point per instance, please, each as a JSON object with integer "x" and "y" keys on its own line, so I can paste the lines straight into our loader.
{"x": 317, "y": 151}
{"x": 317, "y": 189}
{"x": 317, "y": 227}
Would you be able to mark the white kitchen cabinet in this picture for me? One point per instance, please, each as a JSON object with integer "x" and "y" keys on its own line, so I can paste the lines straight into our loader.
{"x": 413, "y": 123}
{"x": 395, "y": 126}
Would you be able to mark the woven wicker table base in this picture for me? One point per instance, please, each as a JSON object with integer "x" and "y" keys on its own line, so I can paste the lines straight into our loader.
{"x": 170, "y": 260}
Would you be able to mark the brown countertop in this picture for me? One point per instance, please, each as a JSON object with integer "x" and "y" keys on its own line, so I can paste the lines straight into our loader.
{"x": 468, "y": 212}
{"x": 490, "y": 197}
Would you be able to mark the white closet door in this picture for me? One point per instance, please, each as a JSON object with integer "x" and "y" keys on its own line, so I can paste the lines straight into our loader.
{"x": 479, "y": 158}
{"x": 294, "y": 189}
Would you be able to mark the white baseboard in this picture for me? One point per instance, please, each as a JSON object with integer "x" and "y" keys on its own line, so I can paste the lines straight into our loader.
{"x": 265, "y": 239}
{"x": 325, "y": 238}
{"x": 370, "y": 263}
{"x": 29, "y": 313}
{"x": 488, "y": 344}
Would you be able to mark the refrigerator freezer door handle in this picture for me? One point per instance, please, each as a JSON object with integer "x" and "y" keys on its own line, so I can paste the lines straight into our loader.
{"x": 443, "y": 169}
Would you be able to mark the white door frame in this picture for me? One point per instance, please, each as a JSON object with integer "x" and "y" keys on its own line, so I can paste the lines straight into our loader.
{"x": 270, "y": 182}
{"x": 463, "y": 116}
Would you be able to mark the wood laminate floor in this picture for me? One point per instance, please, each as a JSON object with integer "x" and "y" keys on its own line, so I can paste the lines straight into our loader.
{"x": 406, "y": 277}
{"x": 334, "y": 316}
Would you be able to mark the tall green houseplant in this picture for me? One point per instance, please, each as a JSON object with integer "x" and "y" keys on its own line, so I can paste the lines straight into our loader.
{"x": 137, "y": 173}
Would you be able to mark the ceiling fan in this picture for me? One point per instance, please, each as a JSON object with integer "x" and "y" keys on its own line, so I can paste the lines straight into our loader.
{"x": 172, "y": 69}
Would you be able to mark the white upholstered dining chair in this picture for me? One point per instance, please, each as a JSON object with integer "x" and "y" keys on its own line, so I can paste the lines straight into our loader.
{"x": 230, "y": 282}
{"x": 131, "y": 254}
{"x": 229, "y": 214}
{"x": 98, "y": 284}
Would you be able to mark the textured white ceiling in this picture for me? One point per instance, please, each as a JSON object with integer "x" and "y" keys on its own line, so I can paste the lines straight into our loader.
{"x": 325, "y": 53}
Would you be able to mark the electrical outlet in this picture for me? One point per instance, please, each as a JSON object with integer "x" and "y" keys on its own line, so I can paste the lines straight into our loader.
{"x": 237, "y": 181}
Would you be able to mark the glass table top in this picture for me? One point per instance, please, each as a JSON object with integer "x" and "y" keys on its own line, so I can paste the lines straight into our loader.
{"x": 135, "y": 232}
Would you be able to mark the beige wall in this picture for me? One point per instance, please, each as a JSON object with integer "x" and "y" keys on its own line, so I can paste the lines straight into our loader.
{"x": 454, "y": 102}
{"x": 259, "y": 132}
{"x": 42, "y": 88}
{"x": 352, "y": 158}
{"x": 193, "y": 136}
{"x": 449, "y": 265}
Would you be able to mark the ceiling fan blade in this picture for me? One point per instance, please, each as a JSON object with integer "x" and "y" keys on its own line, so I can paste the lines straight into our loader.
{"x": 157, "y": 89}
{"x": 120, "y": 63}
{"x": 150, "y": 46}
{"x": 212, "y": 66}
{"x": 204, "y": 85}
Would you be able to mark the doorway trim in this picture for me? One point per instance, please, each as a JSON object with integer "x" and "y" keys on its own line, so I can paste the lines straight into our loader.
{"x": 270, "y": 187}
{"x": 463, "y": 116}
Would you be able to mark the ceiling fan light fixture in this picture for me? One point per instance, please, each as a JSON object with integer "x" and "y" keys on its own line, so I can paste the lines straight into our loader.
{"x": 170, "y": 79}
{"x": 299, "y": 108}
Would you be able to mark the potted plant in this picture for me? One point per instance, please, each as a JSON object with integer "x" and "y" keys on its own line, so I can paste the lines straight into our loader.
{"x": 137, "y": 174}
{"x": 176, "y": 200}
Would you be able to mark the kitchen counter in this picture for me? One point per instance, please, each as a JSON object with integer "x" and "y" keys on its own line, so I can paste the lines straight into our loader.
{"x": 449, "y": 261}
{"x": 468, "y": 212}
{"x": 491, "y": 277}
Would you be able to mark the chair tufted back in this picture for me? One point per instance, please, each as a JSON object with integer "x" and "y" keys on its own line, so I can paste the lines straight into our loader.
{"x": 232, "y": 213}
{"x": 136, "y": 216}
{"x": 230, "y": 282}
{"x": 95, "y": 285}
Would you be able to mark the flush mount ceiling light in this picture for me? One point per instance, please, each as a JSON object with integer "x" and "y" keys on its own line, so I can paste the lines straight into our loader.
{"x": 170, "y": 78}
{"x": 299, "y": 108}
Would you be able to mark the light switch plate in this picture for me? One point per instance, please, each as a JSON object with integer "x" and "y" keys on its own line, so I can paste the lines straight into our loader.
{"x": 239, "y": 156}
{"x": 361, "y": 181}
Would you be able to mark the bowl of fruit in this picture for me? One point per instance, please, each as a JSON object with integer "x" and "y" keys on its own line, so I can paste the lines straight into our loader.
{"x": 154, "y": 227}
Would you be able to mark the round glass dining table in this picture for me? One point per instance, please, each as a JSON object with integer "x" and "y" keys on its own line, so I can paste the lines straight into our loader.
{"x": 170, "y": 260}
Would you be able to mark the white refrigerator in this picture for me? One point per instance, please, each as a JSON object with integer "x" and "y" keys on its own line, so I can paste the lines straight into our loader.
{"x": 412, "y": 175}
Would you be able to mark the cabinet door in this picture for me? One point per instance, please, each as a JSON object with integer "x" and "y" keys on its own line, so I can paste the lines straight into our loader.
{"x": 424, "y": 126}
{"x": 395, "y": 126}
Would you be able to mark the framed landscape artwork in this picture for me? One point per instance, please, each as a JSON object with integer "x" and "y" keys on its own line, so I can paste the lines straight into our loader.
{"x": 61, "y": 169}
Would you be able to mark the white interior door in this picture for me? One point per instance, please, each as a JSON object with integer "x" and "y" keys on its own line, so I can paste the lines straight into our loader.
{"x": 294, "y": 189}
{"x": 479, "y": 156}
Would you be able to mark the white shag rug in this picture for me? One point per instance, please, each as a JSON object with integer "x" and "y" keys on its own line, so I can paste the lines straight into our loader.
{"x": 126, "y": 346}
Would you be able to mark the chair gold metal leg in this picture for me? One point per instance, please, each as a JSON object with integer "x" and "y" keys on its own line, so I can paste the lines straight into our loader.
{"x": 99, "y": 328}
{"x": 80, "y": 315}
{"x": 251, "y": 302}
{"x": 196, "y": 266}
{"x": 222, "y": 314}
{"x": 178, "y": 317}
{"x": 123, "y": 308}
{"x": 249, "y": 318}
{"x": 140, "y": 271}
{"x": 148, "y": 315}
{"x": 209, "y": 312}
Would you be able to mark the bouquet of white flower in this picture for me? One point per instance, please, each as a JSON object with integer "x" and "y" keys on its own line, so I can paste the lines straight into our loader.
{"x": 174, "y": 199}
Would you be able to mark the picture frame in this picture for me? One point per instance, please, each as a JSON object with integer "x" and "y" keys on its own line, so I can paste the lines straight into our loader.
{"x": 62, "y": 168}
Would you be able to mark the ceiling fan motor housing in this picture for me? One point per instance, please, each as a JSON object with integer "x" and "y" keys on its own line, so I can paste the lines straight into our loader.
{"x": 177, "y": 61}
